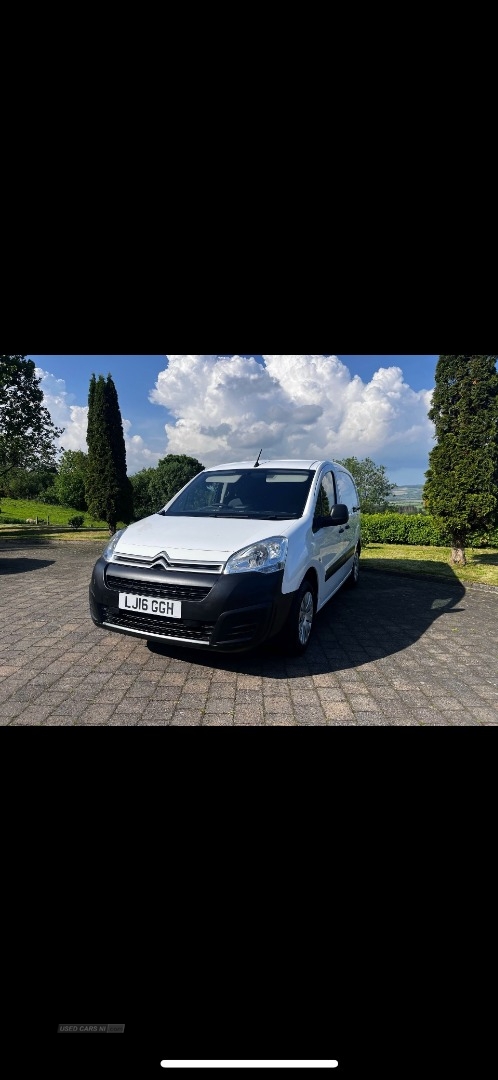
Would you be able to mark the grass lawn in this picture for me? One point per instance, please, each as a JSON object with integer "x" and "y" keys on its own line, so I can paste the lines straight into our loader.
{"x": 482, "y": 563}
{"x": 58, "y": 515}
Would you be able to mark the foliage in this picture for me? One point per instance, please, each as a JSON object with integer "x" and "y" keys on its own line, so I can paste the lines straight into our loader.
{"x": 50, "y": 496}
{"x": 146, "y": 496}
{"x": 462, "y": 480}
{"x": 27, "y": 483}
{"x": 108, "y": 490}
{"x": 27, "y": 434}
{"x": 406, "y": 508}
{"x": 76, "y": 521}
{"x": 372, "y": 482}
{"x": 70, "y": 482}
{"x": 153, "y": 488}
{"x": 395, "y": 528}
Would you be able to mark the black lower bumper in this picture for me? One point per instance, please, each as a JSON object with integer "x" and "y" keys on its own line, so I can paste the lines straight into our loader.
{"x": 226, "y": 612}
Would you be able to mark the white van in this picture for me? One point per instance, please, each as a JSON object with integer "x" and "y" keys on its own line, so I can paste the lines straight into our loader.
{"x": 242, "y": 553}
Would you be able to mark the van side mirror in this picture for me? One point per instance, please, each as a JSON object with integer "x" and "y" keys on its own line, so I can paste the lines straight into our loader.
{"x": 338, "y": 516}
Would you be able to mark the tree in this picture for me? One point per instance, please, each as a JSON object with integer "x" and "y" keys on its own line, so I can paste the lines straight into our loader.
{"x": 174, "y": 471}
{"x": 152, "y": 488}
{"x": 108, "y": 491}
{"x": 70, "y": 481}
{"x": 28, "y": 483}
{"x": 27, "y": 433}
{"x": 462, "y": 480}
{"x": 372, "y": 482}
{"x": 145, "y": 500}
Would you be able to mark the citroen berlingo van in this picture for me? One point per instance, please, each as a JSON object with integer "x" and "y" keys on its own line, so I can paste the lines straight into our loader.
{"x": 244, "y": 552}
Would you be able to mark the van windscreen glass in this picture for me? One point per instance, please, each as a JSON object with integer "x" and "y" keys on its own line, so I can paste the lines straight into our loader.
{"x": 275, "y": 494}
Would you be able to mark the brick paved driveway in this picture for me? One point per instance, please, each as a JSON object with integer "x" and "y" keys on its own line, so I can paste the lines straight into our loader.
{"x": 395, "y": 651}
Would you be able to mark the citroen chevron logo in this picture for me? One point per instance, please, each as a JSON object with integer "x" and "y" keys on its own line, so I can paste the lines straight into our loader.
{"x": 162, "y": 559}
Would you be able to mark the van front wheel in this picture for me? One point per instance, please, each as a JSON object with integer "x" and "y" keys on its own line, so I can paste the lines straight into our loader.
{"x": 300, "y": 620}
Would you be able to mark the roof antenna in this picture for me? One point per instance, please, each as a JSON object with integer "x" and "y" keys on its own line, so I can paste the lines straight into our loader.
{"x": 257, "y": 460}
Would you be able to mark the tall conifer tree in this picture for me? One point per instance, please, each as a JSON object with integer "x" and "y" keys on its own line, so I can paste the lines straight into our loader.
{"x": 461, "y": 489}
{"x": 109, "y": 493}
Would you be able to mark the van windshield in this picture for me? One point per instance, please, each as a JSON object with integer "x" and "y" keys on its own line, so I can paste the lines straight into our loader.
{"x": 275, "y": 494}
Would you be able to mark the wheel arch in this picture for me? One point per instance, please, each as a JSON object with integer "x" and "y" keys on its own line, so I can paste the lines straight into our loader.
{"x": 312, "y": 576}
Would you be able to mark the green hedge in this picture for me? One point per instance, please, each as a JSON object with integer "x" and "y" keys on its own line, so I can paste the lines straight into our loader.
{"x": 415, "y": 529}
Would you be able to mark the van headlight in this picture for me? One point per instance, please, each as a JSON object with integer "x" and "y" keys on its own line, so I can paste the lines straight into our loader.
{"x": 265, "y": 556}
{"x": 109, "y": 551}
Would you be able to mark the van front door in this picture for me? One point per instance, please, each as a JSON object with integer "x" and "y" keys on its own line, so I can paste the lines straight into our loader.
{"x": 329, "y": 543}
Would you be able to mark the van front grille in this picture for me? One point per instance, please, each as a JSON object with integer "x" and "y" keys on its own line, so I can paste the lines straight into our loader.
{"x": 158, "y": 589}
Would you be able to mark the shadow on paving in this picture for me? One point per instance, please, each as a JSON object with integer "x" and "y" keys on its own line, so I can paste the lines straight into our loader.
{"x": 21, "y": 565}
{"x": 386, "y": 614}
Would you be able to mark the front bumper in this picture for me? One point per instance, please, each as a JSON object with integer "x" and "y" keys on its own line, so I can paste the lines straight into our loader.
{"x": 222, "y": 612}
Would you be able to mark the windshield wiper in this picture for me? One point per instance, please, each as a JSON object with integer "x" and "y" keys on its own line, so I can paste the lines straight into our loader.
{"x": 209, "y": 511}
{"x": 229, "y": 511}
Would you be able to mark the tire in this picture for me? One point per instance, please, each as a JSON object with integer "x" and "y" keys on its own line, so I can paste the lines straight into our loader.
{"x": 353, "y": 578}
{"x": 300, "y": 620}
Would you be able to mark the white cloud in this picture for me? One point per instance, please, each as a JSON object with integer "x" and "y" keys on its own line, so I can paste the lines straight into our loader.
{"x": 74, "y": 419}
{"x": 227, "y": 408}
{"x": 292, "y": 406}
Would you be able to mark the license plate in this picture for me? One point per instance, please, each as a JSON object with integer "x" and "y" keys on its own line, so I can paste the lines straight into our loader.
{"x": 171, "y": 609}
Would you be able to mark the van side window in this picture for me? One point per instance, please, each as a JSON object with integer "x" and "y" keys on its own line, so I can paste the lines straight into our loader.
{"x": 326, "y": 496}
{"x": 346, "y": 491}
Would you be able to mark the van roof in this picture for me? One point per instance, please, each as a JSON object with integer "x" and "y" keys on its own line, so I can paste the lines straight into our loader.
{"x": 272, "y": 463}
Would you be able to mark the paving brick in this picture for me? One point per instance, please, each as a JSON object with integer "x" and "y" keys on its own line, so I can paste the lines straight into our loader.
{"x": 210, "y": 720}
{"x": 305, "y": 697}
{"x": 484, "y": 714}
{"x": 363, "y": 703}
{"x": 186, "y": 718}
{"x": 95, "y": 714}
{"x": 58, "y": 721}
{"x": 338, "y": 710}
{"x": 31, "y": 716}
{"x": 221, "y": 705}
{"x": 399, "y": 664}
{"x": 123, "y": 720}
{"x": 309, "y": 716}
{"x": 10, "y": 709}
{"x": 173, "y": 678}
{"x": 273, "y": 719}
{"x": 196, "y": 686}
{"x": 279, "y": 704}
{"x": 153, "y": 723}
{"x": 249, "y": 714}
{"x": 159, "y": 710}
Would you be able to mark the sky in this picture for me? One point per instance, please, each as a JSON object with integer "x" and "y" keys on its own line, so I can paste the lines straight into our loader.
{"x": 222, "y": 408}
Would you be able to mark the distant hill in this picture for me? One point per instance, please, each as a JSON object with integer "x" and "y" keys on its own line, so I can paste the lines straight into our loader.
{"x": 410, "y": 495}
